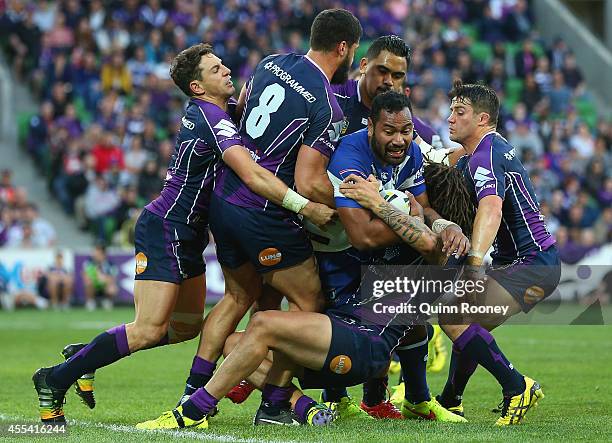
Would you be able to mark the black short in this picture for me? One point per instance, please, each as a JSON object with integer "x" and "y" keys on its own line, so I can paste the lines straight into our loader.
{"x": 268, "y": 240}
{"x": 167, "y": 250}
{"x": 356, "y": 354}
{"x": 531, "y": 278}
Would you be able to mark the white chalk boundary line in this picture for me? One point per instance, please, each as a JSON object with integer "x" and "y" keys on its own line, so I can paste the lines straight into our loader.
{"x": 193, "y": 435}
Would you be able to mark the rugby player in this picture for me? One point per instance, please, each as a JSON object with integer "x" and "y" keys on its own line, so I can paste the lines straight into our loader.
{"x": 382, "y": 69}
{"x": 290, "y": 123}
{"x": 171, "y": 234}
{"x": 525, "y": 267}
{"x": 386, "y": 150}
{"x": 343, "y": 347}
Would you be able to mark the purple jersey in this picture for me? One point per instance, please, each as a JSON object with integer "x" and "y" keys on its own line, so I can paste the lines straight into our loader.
{"x": 206, "y": 132}
{"x": 356, "y": 113}
{"x": 494, "y": 169}
{"x": 423, "y": 129}
{"x": 289, "y": 103}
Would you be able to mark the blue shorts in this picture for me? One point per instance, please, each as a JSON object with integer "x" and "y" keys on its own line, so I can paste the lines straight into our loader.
{"x": 269, "y": 240}
{"x": 356, "y": 353}
{"x": 340, "y": 274}
{"x": 167, "y": 250}
{"x": 531, "y": 278}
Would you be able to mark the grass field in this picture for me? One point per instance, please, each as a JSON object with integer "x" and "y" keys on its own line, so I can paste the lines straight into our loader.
{"x": 573, "y": 364}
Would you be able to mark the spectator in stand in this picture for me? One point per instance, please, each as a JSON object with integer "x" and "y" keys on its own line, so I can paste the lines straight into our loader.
{"x": 101, "y": 202}
{"x": 58, "y": 283}
{"x": 75, "y": 38}
{"x": 100, "y": 280}
{"x": 112, "y": 36}
{"x": 583, "y": 141}
{"x": 7, "y": 190}
{"x": 525, "y": 60}
{"x": 70, "y": 181}
{"x": 531, "y": 94}
{"x": 61, "y": 37}
{"x": 43, "y": 232}
{"x": 107, "y": 152}
{"x": 139, "y": 67}
{"x": 559, "y": 95}
{"x": 115, "y": 75}
{"x": 87, "y": 81}
{"x": 149, "y": 182}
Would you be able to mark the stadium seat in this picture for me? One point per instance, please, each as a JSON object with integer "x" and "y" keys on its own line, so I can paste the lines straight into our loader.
{"x": 587, "y": 111}
{"x": 482, "y": 52}
{"x": 514, "y": 87}
{"x": 23, "y": 124}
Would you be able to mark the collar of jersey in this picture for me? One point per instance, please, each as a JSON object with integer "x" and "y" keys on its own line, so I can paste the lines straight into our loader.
{"x": 317, "y": 66}
{"x": 483, "y": 137}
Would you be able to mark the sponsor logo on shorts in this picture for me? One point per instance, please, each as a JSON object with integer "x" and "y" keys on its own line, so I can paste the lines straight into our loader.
{"x": 533, "y": 294}
{"x": 340, "y": 364}
{"x": 141, "y": 263}
{"x": 270, "y": 257}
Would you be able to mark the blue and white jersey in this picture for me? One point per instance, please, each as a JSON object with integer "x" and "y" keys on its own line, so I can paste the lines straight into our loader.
{"x": 289, "y": 103}
{"x": 354, "y": 156}
{"x": 206, "y": 132}
{"x": 494, "y": 169}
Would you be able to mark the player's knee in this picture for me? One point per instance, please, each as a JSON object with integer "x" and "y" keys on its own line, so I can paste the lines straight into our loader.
{"x": 149, "y": 335}
{"x": 184, "y": 326}
{"x": 260, "y": 323}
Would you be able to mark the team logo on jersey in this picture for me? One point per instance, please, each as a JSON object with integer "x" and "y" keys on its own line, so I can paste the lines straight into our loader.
{"x": 225, "y": 128}
{"x": 533, "y": 294}
{"x": 481, "y": 176}
{"x": 345, "y": 125}
{"x": 340, "y": 364}
{"x": 141, "y": 263}
{"x": 188, "y": 124}
{"x": 270, "y": 257}
{"x": 510, "y": 154}
{"x": 335, "y": 131}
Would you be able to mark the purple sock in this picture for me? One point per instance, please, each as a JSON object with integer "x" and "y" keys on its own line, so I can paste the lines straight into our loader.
{"x": 201, "y": 403}
{"x": 478, "y": 345}
{"x": 459, "y": 373}
{"x": 103, "y": 350}
{"x": 276, "y": 395}
{"x": 202, "y": 367}
{"x": 302, "y": 406}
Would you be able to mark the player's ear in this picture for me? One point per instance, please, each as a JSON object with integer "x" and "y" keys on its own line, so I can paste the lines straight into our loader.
{"x": 196, "y": 88}
{"x": 363, "y": 64}
{"x": 342, "y": 48}
{"x": 484, "y": 119}
{"x": 370, "y": 127}
{"x": 407, "y": 91}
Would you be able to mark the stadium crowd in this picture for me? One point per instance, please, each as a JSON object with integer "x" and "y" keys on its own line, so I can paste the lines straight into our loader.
{"x": 108, "y": 112}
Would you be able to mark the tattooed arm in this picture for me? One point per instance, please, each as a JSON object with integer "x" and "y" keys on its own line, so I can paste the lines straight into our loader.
{"x": 410, "y": 228}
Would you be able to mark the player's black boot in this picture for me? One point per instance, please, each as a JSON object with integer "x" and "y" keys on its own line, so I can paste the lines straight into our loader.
{"x": 275, "y": 415}
{"x": 50, "y": 400}
{"x": 84, "y": 386}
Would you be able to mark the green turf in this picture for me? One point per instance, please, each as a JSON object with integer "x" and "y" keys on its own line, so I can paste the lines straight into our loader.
{"x": 571, "y": 362}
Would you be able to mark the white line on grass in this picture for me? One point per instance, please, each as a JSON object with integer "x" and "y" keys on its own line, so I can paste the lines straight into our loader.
{"x": 204, "y": 435}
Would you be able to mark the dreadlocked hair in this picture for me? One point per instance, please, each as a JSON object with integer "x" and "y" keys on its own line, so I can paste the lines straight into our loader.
{"x": 449, "y": 195}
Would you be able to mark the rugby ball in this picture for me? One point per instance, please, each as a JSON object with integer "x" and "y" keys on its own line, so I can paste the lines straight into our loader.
{"x": 398, "y": 199}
